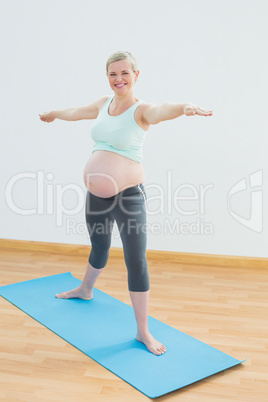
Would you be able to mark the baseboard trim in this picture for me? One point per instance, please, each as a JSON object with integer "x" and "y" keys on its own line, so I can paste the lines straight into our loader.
{"x": 169, "y": 256}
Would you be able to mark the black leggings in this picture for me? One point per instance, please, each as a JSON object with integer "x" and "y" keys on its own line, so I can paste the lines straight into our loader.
{"x": 128, "y": 209}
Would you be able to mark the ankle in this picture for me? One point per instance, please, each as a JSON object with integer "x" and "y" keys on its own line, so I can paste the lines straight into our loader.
{"x": 143, "y": 332}
{"x": 85, "y": 288}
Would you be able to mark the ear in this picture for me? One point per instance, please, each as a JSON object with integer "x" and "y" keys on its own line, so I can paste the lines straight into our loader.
{"x": 136, "y": 75}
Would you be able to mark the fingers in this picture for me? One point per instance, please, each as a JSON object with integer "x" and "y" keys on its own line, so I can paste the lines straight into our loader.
{"x": 45, "y": 118}
{"x": 41, "y": 117}
{"x": 199, "y": 111}
{"x": 203, "y": 112}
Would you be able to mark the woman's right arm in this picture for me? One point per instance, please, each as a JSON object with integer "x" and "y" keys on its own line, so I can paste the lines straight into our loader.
{"x": 75, "y": 113}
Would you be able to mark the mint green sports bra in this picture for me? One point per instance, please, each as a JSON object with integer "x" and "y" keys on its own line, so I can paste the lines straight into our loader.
{"x": 120, "y": 134}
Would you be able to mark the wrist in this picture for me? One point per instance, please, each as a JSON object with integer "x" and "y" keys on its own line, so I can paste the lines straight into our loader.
{"x": 183, "y": 106}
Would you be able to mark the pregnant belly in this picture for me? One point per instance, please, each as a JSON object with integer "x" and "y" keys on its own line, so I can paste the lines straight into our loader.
{"x": 107, "y": 173}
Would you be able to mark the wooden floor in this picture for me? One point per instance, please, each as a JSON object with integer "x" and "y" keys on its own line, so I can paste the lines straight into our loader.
{"x": 225, "y": 307}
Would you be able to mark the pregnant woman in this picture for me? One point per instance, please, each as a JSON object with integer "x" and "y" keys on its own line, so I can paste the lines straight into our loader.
{"x": 114, "y": 178}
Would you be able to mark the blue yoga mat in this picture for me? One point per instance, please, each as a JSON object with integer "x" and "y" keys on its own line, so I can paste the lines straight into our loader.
{"x": 104, "y": 328}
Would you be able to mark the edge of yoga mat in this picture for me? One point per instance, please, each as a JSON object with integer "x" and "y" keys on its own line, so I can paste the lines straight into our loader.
{"x": 150, "y": 394}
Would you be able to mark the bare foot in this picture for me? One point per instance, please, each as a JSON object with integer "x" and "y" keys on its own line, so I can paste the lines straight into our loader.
{"x": 152, "y": 344}
{"x": 77, "y": 293}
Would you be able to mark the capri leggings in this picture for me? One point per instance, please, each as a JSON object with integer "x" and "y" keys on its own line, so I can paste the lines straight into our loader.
{"x": 128, "y": 209}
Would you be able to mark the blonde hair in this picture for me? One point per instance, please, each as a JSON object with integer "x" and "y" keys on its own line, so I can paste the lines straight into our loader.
{"x": 117, "y": 56}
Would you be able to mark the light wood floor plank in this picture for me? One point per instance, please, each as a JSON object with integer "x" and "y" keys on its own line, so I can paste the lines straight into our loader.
{"x": 224, "y": 306}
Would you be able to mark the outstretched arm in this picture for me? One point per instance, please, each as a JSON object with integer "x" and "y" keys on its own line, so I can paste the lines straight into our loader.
{"x": 153, "y": 114}
{"x": 75, "y": 113}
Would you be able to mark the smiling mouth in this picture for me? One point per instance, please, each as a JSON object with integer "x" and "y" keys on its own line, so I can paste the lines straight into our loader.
{"x": 120, "y": 85}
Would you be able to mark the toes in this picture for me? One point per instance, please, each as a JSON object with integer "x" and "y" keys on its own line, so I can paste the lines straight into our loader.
{"x": 162, "y": 349}
{"x": 60, "y": 295}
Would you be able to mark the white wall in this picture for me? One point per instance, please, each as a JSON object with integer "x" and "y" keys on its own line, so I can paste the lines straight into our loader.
{"x": 207, "y": 52}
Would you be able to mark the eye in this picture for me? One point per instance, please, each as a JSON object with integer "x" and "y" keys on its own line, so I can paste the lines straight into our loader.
{"x": 125, "y": 73}
{"x": 112, "y": 74}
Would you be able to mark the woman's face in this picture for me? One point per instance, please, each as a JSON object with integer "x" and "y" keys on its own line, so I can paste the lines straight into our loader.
{"x": 121, "y": 77}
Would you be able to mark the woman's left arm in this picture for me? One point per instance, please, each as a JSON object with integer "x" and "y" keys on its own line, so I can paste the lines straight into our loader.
{"x": 153, "y": 114}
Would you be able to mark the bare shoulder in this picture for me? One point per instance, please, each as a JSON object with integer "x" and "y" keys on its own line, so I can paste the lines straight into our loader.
{"x": 101, "y": 101}
{"x": 146, "y": 105}
{"x": 141, "y": 114}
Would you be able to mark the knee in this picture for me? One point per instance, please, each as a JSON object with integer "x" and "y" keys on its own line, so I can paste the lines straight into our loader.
{"x": 100, "y": 247}
{"x": 98, "y": 257}
{"x": 99, "y": 252}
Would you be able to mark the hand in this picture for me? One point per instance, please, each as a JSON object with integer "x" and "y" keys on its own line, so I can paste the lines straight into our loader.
{"x": 47, "y": 117}
{"x": 190, "y": 110}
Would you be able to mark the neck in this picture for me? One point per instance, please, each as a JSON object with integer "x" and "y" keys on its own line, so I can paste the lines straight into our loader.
{"x": 120, "y": 100}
